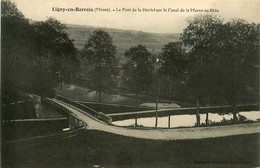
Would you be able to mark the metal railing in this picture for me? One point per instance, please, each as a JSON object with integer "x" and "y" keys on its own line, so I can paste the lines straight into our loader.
{"x": 99, "y": 115}
{"x": 75, "y": 121}
{"x": 182, "y": 111}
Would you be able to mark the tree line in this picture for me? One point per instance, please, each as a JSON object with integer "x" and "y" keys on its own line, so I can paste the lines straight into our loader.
{"x": 36, "y": 56}
{"x": 214, "y": 62}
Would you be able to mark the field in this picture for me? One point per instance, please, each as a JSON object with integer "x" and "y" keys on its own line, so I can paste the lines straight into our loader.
{"x": 123, "y": 39}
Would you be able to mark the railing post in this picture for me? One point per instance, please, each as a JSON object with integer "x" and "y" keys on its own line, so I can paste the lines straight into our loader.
{"x": 207, "y": 114}
{"x": 169, "y": 121}
{"x": 135, "y": 121}
{"x": 197, "y": 112}
{"x": 156, "y": 121}
{"x": 156, "y": 113}
{"x": 207, "y": 118}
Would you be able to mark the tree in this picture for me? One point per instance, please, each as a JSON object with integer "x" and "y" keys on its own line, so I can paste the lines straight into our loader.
{"x": 173, "y": 64}
{"x": 239, "y": 59}
{"x": 35, "y": 57}
{"x": 202, "y": 36}
{"x": 138, "y": 69}
{"x": 156, "y": 84}
{"x": 55, "y": 59}
{"x": 103, "y": 70}
{"x": 17, "y": 51}
{"x": 9, "y": 9}
{"x": 219, "y": 52}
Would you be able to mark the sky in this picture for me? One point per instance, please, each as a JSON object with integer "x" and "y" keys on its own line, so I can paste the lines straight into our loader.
{"x": 166, "y": 21}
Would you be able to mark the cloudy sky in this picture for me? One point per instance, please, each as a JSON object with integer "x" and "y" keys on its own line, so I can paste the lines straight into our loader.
{"x": 158, "y": 22}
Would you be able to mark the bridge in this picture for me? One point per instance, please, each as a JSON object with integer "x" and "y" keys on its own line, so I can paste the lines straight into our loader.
{"x": 93, "y": 139}
{"x": 83, "y": 116}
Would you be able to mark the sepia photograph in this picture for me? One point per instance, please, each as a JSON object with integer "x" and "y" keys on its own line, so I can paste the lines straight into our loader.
{"x": 130, "y": 84}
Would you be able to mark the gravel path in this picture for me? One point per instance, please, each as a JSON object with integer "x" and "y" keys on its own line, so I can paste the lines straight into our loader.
{"x": 164, "y": 134}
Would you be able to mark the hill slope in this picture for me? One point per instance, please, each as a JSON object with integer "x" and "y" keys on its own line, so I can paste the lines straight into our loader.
{"x": 123, "y": 39}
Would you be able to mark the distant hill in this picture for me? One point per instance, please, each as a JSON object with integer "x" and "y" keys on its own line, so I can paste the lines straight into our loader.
{"x": 123, "y": 39}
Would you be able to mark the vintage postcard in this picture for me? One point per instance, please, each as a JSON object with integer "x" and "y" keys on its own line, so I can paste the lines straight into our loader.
{"x": 141, "y": 83}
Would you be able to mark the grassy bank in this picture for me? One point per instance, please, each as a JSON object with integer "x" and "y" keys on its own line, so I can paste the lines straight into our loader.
{"x": 78, "y": 93}
{"x": 109, "y": 150}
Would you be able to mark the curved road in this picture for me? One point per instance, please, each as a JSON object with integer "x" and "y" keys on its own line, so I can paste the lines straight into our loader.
{"x": 163, "y": 134}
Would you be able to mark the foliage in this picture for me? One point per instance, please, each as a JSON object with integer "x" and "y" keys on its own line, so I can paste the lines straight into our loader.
{"x": 202, "y": 34}
{"x": 9, "y": 9}
{"x": 222, "y": 58}
{"x": 173, "y": 65}
{"x": 224, "y": 121}
{"x": 238, "y": 58}
{"x": 173, "y": 60}
{"x": 33, "y": 55}
{"x": 17, "y": 49}
{"x": 138, "y": 69}
{"x": 102, "y": 71}
{"x": 55, "y": 59}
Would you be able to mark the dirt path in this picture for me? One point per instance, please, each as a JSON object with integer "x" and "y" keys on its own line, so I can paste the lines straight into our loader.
{"x": 165, "y": 134}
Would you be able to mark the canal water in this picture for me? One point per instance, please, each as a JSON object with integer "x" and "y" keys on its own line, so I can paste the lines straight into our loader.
{"x": 185, "y": 120}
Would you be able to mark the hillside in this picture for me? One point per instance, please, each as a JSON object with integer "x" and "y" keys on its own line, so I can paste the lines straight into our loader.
{"x": 123, "y": 39}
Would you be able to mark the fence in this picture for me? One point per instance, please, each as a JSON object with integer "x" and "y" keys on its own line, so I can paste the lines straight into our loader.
{"x": 88, "y": 110}
{"x": 114, "y": 108}
{"x": 74, "y": 121}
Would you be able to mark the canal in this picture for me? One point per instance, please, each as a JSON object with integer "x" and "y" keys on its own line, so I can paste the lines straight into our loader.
{"x": 185, "y": 120}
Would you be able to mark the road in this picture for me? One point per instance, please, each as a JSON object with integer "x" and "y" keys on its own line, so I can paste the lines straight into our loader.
{"x": 164, "y": 134}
